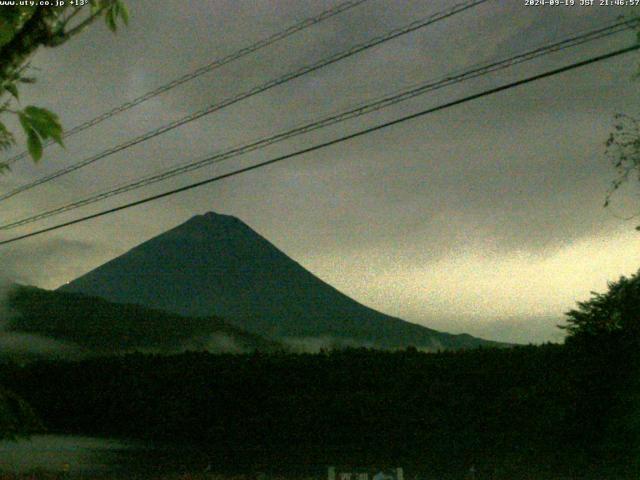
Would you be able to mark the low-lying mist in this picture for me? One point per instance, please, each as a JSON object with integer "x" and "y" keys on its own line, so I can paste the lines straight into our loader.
{"x": 21, "y": 344}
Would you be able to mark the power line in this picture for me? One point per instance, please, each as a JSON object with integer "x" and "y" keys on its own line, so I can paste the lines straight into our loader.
{"x": 331, "y": 142}
{"x": 360, "y": 110}
{"x": 413, "y": 26}
{"x": 265, "y": 42}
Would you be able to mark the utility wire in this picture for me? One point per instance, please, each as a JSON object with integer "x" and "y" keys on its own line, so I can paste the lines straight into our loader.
{"x": 319, "y": 146}
{"x": 265, "y": 42}
{"x": 413, "y": 26}
{"x": 360, "y": 110}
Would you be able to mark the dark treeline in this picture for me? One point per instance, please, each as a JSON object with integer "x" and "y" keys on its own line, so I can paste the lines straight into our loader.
{"x": 551, "y": 411}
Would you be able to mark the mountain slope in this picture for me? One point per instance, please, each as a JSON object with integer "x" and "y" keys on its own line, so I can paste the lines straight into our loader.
{"x": 98, "y": 326}
{"x": 216, "y": 265}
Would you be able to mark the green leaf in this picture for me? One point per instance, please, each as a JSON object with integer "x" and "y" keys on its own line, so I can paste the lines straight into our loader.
{"x": 7, "y": 33}
{"x": 12, "y": 89}
{"x": 39, "y": 124}
{"x": 45, "y": 123}
{"x": 34, "y": 144}
{"x": 12, "y": 20}
{"x": 123, "y": 11}
{"x": 56, "y": 134}
{"x": 110, "y": 18}
{"x": 6, "y": 137}
{"x": 33, "y": 111}
{"x": 25, "y": 121}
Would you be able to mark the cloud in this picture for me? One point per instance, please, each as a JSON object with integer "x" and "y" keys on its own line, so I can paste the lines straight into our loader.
{"x": 521, "y": 330}
{"x": 328, "y": 342}
{"x": 516, "y": 296}
{"x": 214, "y": 343}
{"x": 324, "y": 342}
{"x": 480, "y": 192}
{"x": 20, "y": 344}
{"x": 44, "y": 261}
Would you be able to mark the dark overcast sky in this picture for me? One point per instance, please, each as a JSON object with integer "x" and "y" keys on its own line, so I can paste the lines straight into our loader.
{"x": 485, "y": 218}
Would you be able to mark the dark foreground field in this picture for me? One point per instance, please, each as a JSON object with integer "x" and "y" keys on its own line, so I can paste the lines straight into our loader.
{"x": 539, "y": 412}
{"x": 41, "y": 475}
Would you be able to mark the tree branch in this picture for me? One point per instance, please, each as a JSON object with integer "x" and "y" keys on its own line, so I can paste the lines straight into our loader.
{"x": 64, "y": 36}
{"x": 33, "y": 33}
{"x": 66, "y": 21}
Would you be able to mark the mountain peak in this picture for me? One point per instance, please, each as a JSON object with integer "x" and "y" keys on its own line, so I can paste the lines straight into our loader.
{"x": 214, "y": 218}
{"x": 210, "y": 226}
{"x": 215, "y": 264}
